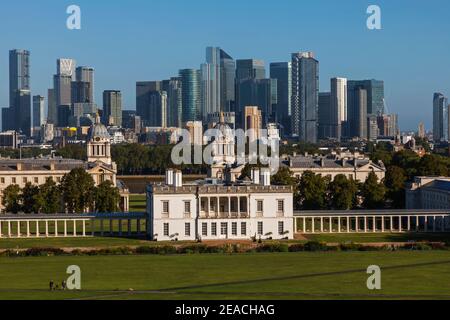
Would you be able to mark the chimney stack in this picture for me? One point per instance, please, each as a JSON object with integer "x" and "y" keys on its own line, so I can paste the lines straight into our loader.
{"x": 265, "y": 177}
{"x": 178, "y": 179}
{"x": 255, "y": 176}
{"x": 169, "y": 177}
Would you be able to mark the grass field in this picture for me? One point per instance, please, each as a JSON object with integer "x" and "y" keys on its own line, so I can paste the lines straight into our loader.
{"x": 379, "y": 237}
{"x": 138, "y": 203}
{"x": 333, "y": 275}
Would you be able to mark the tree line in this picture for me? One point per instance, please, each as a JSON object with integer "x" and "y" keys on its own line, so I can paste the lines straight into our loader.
{"x": 77, "y": 193}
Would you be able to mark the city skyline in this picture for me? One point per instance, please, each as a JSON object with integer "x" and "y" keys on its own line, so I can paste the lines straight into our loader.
{"x": 391, "y": 54}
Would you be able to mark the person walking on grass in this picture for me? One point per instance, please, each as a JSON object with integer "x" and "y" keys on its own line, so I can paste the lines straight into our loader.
{"x": 51, "y": 285}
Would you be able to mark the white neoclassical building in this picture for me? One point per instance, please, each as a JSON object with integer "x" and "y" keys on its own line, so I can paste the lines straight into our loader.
{"x": 99, "y": 165}
{"x": 213, "y": 209}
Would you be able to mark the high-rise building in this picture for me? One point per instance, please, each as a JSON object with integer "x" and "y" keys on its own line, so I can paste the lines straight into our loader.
{"x": 375, "y": 94}
{"x": 305, "y": 96}
{"x": 257, "y": 92}
{"x": 86, "y": 74}
{"x": 112, "y": 108}
{"x": 388, "y": 125}
{"x": 174, "y": 102}
{"x": 338, "y": 106}
{"x": 357, "y": 112}
{"x": 66, "y": 67}
{"x": 190, "y": 94}
{"x": 143, "y": 91}
{"x": 227, "y": 82}
{"x": 52, "y": 115}
{"x": 18, "y": 115}
{"x": 38, "y": 111}
{"x": 326, "y": 127}
{"x": 80, "y": 92}
{"x": 157, "y": 110}
{"x": 282, "y": 72}
{"x": 421, "y": 132}
{"x": 250, "y": 69}
{"x": 372, "y": 127}
{"x": 441, "y": 118}
{"x": 211, "y": 83}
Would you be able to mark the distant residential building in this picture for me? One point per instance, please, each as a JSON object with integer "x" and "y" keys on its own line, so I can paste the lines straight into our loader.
{"x": 190, "y": 94}
{"x": 441, "y": 118}
{"x": 372, "y": 127}
{"x": 112, "y": 107}
{"x": 428, "y": 193}
{"x": 421, "y": 132}
{"x": 356, "y": 167}
{"x": 282, "y": 72}
{"x": 305, "y": 96}
{"x": 38, "y": 111}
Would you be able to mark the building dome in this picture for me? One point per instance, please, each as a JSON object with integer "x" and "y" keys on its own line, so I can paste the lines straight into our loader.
{"x": 98, "y": 131}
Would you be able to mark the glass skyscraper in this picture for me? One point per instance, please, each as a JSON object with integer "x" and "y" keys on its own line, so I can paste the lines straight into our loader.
{"x": 441, "y": 118}
{"x": 282, "y": 72}
{"x": 112, "y": 108}
{"x": 375, "y": 94}
{"x": 227, "y": 82}
{"x": 305, "y": 96}
{"x": 211, "y": 83}
{"x": 190, "y": 94}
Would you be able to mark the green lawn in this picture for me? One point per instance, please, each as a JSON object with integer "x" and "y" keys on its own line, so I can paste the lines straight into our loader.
{"x": 379, "y": 237}
{"x": 138, "y": 203}
{"x": 70, "y": 243}
{"x": 333, "y": 275}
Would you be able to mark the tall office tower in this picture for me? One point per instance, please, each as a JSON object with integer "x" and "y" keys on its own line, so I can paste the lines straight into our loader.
{"x": 38, "y": 111}
{"x": 190, "y": 94}
{"x": 305, "y": 96}
{"x": 326, "y": 127}
{"x": 143, "y": 90}
{"x": 257, "y": 92}
{"x": 372, "y": 127}
{"x": 282, "y": 72}
{"x": 157, "y": 109}
{"x": 63, "y": 89}
{"x": 86, "y": 74}
{"x": 375, "y": 94}
{"x": 387, "y": 125}
{"x": 338, "y": 106}
{"x": 250, "y": 69}
{"x": 80, "y": 92}
{"x": 52, "y": 115}
{"x": 174, "y": 106}
{"x": 65, "y": 67}
{"x": 253, "y": 121}
{"x": 210, "y": 83}
{"x": 18, "y": 116}
{"x": 421, "y": 132}
{"x": 357, "y": 112}
{"x": 112, "y": 108}
{"x": 440, "y": 118}
{"x": 227, "y": 82}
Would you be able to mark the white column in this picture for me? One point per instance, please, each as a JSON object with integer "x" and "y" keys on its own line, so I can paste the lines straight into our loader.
{"x": 417, "y": 223}
{"x": 313, "y": 228}
{"x": 391, "y": 223}
{"x": 229, "y": 207}
{"x": 65, "y": 228}
{"x": 382, "y": 224}
{"x": 18, "y": 229}
{"x": 365, "y": 224}
{"x": 374, "y": 224}
{"x": 28, "y": 229}
{"x": 321, "y": 224}
{"x": 357, "y": 224}
{"x": 348, "y": 224}
{"x": 304, "y": 225}
{"x": 426, "y": 223}
{"x": 56, "y": 228}
{"x": 434, "y": 223}
{"x": 239, "y": 206}
{"x": 37, "y": 228}
{"x": 409, "y": 223}
{"x": 46, "y": 228}
{"x": 9, "y": 229}
{"x": 74, "y": 228}
{"x": 400, "y": 227}
{"x": 84, "y": 228}
{"x": 331, "y": 225}
{"x": 339, "y": 225}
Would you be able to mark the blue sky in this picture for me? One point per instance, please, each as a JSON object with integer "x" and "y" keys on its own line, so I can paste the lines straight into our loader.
{"x": 128, "y": 41}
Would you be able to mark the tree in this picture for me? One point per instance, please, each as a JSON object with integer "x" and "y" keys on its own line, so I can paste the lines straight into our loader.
{"x": 313, "y": 190}
{"x": 49, "y": 197}
{"x": 107, "y": 197}
{"x": 432, "y": 165}
{"x": 12, "y": 199}
{"x": 78, "y": 189}
{"x": 343, "y": 192}
{"x": 29, "y": 197}
{"x": 373, "y": 192}
{"x": 395, "y": 183}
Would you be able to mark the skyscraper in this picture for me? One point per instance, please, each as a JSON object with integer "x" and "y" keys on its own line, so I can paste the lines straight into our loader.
{"x": 190, "y": 94}
{"x": 305, "y": 96}
{"x": 38, "y": 111}
{"x": 211, "y": 83}
{"x": 421, "y": 132}
{"x": 227, "y": 82}
{"x": 325, "y": 130}
{"x": 357, "y": 112}
{"x": 143, "y": 90}
{"x": 338, "y": 106}
{"x": 250, "y": 69}
{"x": 18, "y": 116}
{"x": 62, "y": 85}
{"x": 253, "y": 121}
{"x": 440, "y": 118}
{"x": 112, "y": 107}
{"x": 375, "y": 94}
{"x": 174, "y": 102}
{"x": 65, "y": 67}
{"x": 52, "y": 115}
{"x": 282, "y": 72}
{"x": 86, "y": 74}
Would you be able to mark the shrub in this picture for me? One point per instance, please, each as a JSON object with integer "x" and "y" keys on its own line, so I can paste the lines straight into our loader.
{"x": 296, "y": 248}
{"x": 39, "y": 252}
{"x": 274, "y": 247}
{"x": 315, "y": 246}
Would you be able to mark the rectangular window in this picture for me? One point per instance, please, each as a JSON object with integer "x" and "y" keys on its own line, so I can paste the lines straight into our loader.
{"x": 2, "y": 180}
{"x": 260, "y": 228}
{"x": 281, "y": 228}
{"x": 25, "y": 180}
{"x": 165, "y": 206}
{"x": 259, "y": 206}
{"x": 14, "y": 180}
{"x": 36, "y": 180}
{"x": 214, "y": 229}
{"x": 234, "y": 229}
{"x": 187, "y": 229}
{"x": 166, "y": 230}
{"x": 280, "y": 206}
{"x": 243, "y": 228}
{"x": 224, "y": 228}
{"x": 187, "y": 207}
{"x": 204, "y": 229}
